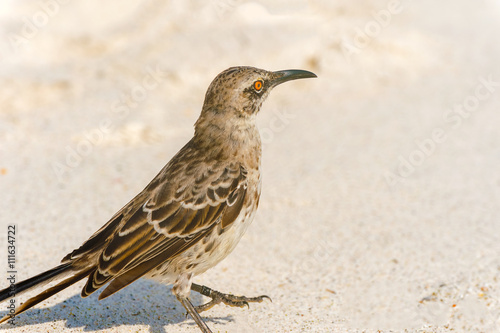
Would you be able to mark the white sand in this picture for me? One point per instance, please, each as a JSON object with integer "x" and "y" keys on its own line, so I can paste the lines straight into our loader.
{"x": 380, "y": 201}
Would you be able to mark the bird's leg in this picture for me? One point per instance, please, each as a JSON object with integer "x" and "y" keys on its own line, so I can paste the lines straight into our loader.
{"x": 195, "y": 315}
{"x": 218, "y": 297}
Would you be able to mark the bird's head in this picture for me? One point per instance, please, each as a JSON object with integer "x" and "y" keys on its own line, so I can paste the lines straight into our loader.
{"x": 242, "y": 90}
{"x": 235, "y": 96}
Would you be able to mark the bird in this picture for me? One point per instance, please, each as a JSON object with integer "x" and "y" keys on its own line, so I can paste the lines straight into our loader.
{"x": 190, "y": 216}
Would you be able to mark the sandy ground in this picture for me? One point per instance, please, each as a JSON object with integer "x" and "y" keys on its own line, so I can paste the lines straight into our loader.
{"x": 381, "y": 193}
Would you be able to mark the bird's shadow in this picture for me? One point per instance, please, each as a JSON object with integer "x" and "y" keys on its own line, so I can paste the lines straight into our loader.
{"x": 157, "y": 308}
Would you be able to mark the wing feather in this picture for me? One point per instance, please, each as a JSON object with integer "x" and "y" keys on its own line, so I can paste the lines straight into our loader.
{"x": 164, "y": 220}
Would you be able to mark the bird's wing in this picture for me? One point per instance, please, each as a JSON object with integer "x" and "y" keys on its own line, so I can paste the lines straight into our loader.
{"x": 180, "y": 206}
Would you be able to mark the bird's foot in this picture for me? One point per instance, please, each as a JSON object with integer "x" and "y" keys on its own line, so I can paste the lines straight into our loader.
{"x": 228, "y": 299}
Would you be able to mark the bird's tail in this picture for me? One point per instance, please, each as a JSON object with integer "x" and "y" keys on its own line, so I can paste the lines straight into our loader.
{"x": 41, "y": 280}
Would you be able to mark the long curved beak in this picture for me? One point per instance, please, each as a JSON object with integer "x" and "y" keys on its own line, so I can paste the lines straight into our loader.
{"x": 291, "y": 74}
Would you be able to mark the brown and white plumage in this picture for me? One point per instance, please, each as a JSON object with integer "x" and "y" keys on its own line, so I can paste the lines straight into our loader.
{"x": 193, "y": 213}
{"x": 167, "y": 219}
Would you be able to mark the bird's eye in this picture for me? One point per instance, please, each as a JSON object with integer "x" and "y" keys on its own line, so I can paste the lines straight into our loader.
{"x": 257, "y": 85}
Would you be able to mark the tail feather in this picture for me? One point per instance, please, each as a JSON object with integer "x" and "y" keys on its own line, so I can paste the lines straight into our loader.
{"x": 35, "y": 281}
{"x": 48, "y": 293}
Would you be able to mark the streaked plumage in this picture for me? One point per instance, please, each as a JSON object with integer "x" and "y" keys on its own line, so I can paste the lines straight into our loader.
{"x": 192, "y": 214}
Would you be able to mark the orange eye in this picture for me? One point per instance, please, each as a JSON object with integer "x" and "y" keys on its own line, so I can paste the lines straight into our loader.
{"x": 258, "y": 85}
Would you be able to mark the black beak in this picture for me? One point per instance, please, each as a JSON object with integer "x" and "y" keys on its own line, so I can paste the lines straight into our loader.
{"x": 291, "y": 74}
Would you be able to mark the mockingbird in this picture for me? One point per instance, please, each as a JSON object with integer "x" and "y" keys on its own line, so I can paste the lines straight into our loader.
{"x": 191, "y": 215}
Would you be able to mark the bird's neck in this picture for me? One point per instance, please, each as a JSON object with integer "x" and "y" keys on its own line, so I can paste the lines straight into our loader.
{"x": 237, "y": 137}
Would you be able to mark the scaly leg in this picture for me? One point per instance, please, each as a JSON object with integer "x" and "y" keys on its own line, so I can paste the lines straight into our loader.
{"x": 192, "y": 311}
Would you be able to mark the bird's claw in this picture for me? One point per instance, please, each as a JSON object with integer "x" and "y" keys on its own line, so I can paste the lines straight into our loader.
{"x": 231, "y": 300}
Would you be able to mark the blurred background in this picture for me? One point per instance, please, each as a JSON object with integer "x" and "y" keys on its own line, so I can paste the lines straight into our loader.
{"x": 381, "y": 181}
